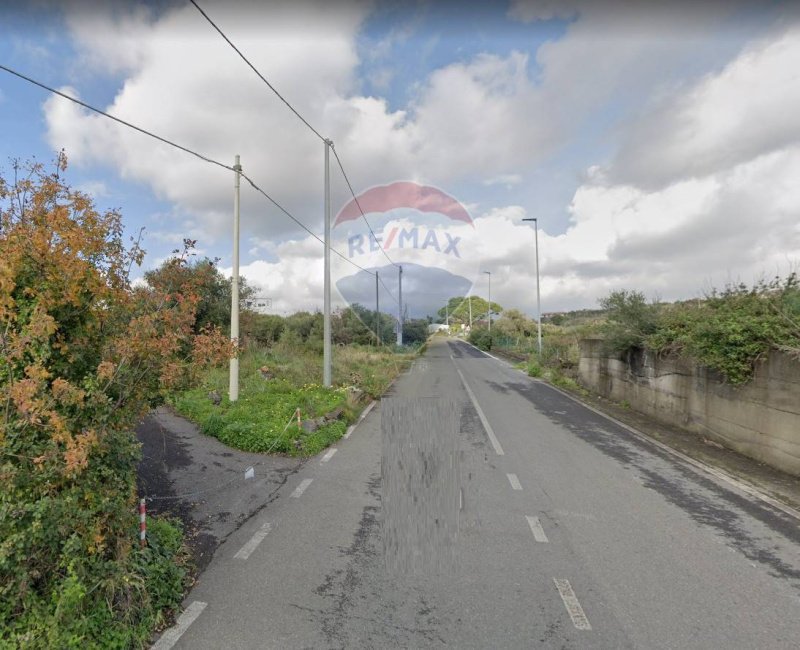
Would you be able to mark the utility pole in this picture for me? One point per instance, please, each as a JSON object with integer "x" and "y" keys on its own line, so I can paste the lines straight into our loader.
{"x": 470, "y": 312}
{"x": 233, "y": 384}
{"x": 377, "y": 312}
{"x": 400, "y": 305}
{"x": 326, "y": 328}
{"x": 538, "y": 299}
{"x": 447, "y": 316}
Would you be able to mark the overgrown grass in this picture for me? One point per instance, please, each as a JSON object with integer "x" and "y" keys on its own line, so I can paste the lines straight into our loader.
{"x": 132, "y": 599}
{"x": 263, "y": 418}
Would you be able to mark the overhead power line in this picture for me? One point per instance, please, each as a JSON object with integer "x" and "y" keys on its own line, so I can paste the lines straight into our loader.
{"x": 254, "y": 69}
{"x": 355, "y": 198}
{"x": 116, "y": 119}
{"x": 292, "y": 108}
{"x": 185, "y": 150}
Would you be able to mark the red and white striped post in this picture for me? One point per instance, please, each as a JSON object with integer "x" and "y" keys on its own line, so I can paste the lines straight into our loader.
{"x": 142, "y": 523}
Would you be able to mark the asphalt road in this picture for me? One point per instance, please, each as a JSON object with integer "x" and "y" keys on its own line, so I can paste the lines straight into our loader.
{"x": 477, "y": 508}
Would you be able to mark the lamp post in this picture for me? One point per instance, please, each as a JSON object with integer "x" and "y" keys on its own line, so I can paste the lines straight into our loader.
{"x": 489, "y": 273}
{"x": 538, "y": 300}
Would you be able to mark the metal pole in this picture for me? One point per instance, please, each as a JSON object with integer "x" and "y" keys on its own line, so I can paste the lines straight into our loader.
{"x": 538, "y": 300}
{"x": 233, "y": 384}
{"x": 377, "y": 311}
{"x": 400, "y": 305}
{"x": 326, "y": 323}
{"x": 489, "y": 273}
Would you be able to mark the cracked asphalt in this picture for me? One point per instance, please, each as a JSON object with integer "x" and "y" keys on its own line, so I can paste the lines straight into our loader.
{"x": 571, "y": 532}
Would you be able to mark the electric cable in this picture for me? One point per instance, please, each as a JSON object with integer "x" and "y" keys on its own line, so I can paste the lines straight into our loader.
{"x": 185, "y": 150}
{"x": 292, "y": 108}
{"x": 254, "y": 69}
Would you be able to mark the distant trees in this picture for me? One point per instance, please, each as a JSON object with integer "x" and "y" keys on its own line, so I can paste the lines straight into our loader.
{"x": 459, "y": 307}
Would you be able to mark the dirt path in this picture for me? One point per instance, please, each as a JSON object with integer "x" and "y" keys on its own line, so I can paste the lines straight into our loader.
{"x": 192, "y": 476}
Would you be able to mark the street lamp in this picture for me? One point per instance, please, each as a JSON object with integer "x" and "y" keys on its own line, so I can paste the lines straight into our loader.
{"x": 489, "y": 273}
{"x": 538, "y": 300}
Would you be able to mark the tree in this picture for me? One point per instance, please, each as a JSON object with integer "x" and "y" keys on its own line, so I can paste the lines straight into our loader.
{"x": 214, "y": 289}
{"x": 630, "y": 319}
{"x": 515, "y": 324}
{"x": 459, "y": 309}
{"x": 83, "y": 356}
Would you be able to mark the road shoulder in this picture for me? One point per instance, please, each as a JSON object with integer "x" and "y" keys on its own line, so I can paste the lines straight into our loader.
{"x": 762, "y": 478}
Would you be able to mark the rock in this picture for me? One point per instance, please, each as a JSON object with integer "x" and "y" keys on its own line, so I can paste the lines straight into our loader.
{"x": 215, "y": 397}
{"x": 334, "y": 415}
{"x": 310, "y": 426}
{"x": 266, "y": 373}
{"x": 354, "y": 392}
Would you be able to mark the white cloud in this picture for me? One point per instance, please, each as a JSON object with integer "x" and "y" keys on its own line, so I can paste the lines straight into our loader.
{"x": 703, "y": 187}
{"x": 751, "y": 107}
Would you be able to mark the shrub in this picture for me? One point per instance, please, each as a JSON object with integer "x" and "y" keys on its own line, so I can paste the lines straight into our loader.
{"x": 83, "y": 356}
{"x": 480, "y": 338}
{"x": 629, "y": 320}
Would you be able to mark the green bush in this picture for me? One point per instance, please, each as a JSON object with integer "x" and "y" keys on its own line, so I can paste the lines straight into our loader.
{"x": 731, "y": 330}
{"x": 481, "y": 338}
{"x": 534, "y": 369}
{"x": 629, "y": 320}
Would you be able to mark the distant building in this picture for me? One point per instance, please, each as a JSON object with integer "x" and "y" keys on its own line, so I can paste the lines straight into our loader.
{"x": 437, "y": 327}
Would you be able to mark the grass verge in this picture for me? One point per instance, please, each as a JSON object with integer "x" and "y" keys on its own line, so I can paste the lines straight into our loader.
{"x": 262, "y": 419}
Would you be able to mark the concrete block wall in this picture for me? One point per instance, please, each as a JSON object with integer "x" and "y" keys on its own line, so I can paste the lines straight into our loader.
{"x": 760, "y": 419}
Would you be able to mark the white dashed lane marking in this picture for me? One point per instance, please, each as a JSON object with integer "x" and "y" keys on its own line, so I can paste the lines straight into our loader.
{"x": 255, "y": 540}
{"x": 298, "y": 491}
{"x": 171, "y": 636}
{"x": 536, "y": 529}
{"x": 515, "y": 484}
{"x": 329, "y": 455}
{"x": 574, "y": 608}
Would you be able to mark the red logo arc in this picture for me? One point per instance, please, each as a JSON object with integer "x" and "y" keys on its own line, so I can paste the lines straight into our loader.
{"x": 403, "y": 194}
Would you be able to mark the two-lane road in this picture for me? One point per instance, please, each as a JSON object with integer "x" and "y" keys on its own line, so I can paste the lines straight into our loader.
{"x": 493, "y": 511}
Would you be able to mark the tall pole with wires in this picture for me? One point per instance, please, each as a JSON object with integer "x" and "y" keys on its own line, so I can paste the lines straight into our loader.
{"x": 326, "y": 329}
{"x": 470, "y": 312}
{"x": 377, "y": 312}
{"x": 233, "y": 384}
{"x": 399, "y": 305}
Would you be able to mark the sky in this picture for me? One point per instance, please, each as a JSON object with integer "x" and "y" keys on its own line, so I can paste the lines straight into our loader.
{"x": 657, "y": 144}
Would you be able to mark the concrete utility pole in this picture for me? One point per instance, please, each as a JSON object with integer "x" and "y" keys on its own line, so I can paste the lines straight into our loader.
{"x": 489, "y": 273}
{"x": 233, "y": 384}
{"x": 447, "y": 316}
{"x": 377, "y": 312}
{"x": 400, "y": 305}
{"x": 470, "y": 312}
{"x": 538, "y": 300}
{"x": 326, "y": 328}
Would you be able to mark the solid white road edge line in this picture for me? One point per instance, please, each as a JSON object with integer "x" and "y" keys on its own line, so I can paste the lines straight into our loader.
{"x": 574, "y": 608}
{"x": 329, "y": 455}
{"x": 171, "y": 636}
{"x": 536, "y": 529}
{"x": 361, "y": 417}
{"x": 255, "y": 540}
{"x": 298, "y": 491}
{"x": 697, "y": 464}
{"x": 489, "y": 431}
{"x": 515, "y": 484}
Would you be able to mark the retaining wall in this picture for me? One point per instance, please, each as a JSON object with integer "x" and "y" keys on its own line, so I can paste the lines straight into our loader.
{"x": 760, "y": 419}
